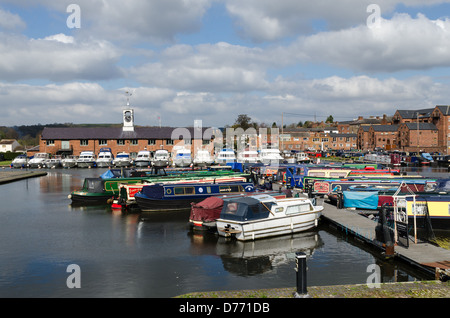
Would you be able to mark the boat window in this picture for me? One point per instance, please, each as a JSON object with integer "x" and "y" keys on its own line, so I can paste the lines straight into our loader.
{"x": 338, "y": 174}
{"x": 299, "y": 208}
{"x": 316, "y": 174}
{"x": 178, "y": 190}
{"x": 231, "y": 208}
{"x": 232, "y": 188}
{"x": 279, "y": 209}
{"x": 189, "y": 190}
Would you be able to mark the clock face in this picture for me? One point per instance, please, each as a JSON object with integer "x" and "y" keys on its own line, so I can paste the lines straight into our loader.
{"x": 127, "y": 116}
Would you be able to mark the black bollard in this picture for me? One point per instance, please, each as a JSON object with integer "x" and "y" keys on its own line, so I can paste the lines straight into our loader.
{"x": 300, "y": 261}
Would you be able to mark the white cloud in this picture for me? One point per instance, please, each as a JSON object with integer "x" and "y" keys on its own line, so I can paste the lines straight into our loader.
{"x": 10, "y": 21}
{"x": 56, "y": 58}
{"x": 402, "y": 43}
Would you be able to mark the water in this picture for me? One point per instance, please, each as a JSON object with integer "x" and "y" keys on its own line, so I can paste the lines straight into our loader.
{"x": 153, "y": 255}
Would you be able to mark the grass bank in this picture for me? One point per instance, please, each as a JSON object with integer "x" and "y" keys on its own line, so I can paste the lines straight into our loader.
{"x": 417, "y": 289}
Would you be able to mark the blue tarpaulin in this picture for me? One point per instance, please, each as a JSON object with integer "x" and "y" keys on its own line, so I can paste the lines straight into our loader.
{"x": 107, "y": 175}
{"x": 361, "y": 199}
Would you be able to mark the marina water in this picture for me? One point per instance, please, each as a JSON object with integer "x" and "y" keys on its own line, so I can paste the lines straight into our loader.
{"x": 155, "y": 254}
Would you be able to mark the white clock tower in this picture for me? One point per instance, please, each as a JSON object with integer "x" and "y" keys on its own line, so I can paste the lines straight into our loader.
{"x": 128, "y": 116}
{"x": 128, "y": 120}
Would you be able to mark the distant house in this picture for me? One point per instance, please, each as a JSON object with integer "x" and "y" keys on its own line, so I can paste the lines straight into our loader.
{"x": 9, "y": 145}
{"x": 383, "y": 136}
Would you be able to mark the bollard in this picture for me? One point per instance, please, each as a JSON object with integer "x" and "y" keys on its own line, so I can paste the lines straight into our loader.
{"x": 300, "y": 261}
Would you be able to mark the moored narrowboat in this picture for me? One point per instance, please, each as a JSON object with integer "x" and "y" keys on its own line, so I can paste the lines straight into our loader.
{"x": 171, "y": 197}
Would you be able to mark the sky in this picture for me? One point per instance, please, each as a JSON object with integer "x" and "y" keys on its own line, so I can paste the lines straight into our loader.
{"x": 177, "y": 61}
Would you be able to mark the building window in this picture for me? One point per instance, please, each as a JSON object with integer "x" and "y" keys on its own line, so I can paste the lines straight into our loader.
{"x": 134, "y": 142}
{"x": 206, "y": 142}
{"x": 169, "y": 142}
{"x": 102, "y": 142}
{"x": 120, "y": 142}
{"x": 84, "y": 142}
{"x": 50, "y": 142}
{"x": 151, "y": 142}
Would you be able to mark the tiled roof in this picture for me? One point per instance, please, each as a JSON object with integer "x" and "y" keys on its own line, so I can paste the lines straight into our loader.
{"x": 422, "y": 126}
{"x": 385, "y": 127}
{"x": 445, "y": 109}
{"x": 412, "y": 114}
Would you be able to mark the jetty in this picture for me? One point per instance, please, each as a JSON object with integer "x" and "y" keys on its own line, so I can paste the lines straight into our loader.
{"x": 432, "y": 259}
{"x": 7, "y": 176}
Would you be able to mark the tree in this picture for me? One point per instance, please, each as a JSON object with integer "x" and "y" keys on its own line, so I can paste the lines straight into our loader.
{"x": 243, "y": 121}
{"x": 330, "y": 119}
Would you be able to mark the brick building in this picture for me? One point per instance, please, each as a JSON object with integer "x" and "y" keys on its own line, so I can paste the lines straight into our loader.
{"x": 126, "y": 138}
{"x": 418, "y": 137}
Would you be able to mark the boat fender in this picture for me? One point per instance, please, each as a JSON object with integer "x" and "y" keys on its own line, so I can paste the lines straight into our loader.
{"x": 69, "y": 196}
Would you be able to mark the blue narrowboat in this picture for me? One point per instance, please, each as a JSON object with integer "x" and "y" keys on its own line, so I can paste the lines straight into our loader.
{"x": 171, "y": 197}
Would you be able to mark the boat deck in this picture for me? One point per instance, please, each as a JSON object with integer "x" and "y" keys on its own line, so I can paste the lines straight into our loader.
{"x": 425, "y": 256}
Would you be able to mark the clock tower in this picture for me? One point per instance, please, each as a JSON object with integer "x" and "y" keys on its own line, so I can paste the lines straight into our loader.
{"x": 128, "y": 120}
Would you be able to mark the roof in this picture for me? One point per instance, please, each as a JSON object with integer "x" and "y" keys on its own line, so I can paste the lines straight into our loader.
{"x": 445, "y": 109}
{"x": 422, "y": 126}
{"x": 412, "y": 114}
{"x": 7, "y": 141}
{"x": 385, "y": 127}
{"x": 117, "y": 133}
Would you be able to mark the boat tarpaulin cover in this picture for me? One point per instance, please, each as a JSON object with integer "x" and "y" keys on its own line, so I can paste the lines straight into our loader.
{"x": 154, "y": 191}
{"x": 207, "y": 210}
{"x": 245, "y": 209}
{"x": 93, "y": 185}
{"x": 361, "y": 199}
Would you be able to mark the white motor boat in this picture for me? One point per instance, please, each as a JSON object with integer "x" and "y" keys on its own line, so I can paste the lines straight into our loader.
{"x": 225, "y": 156}
{"x": 69, "y": 161}
{"x": 182, "y": 158}
{"x": 143, "y": 159}
{"x": 302, "y": 157}
{"x": 260, "y": 216}
{"x": 53, "y": 162}
{"x": 161, "y": 159}
{"x": 270, "y": 156}
{"x": 247, "y": 156}
{"x": 38, "y": 160}
{"x": 122, "y": 160}
{"x": 20, "y": 161}
{"x": 86, "y": 160}
{"x": 105, "y": 158}
{"x": 203, "y": 158}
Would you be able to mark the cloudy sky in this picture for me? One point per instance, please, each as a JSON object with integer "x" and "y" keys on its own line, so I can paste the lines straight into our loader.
{"x": 182, "y": 60}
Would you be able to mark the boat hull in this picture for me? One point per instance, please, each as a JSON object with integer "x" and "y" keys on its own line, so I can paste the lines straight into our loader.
{"x": 83, "y": 198}
{"x": 142, "y": 163}
{"x": 248, "y": 231}
{"x": 104, "y": 164}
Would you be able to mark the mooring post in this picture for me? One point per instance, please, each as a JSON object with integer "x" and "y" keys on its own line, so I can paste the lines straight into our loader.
{"x": 300, "y": 261}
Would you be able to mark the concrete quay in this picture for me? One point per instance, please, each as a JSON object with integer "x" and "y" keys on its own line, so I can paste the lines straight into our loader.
{"x": 7, "y": 175}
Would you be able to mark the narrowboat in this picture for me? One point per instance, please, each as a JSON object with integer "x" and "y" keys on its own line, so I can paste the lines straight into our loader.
{"x": 86, "y": 160}
{"x": 261, "y": 216}
{"x": 173, "y": 197}
{"x": 127, "y": 192}
{"x": 107, "y": 186}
